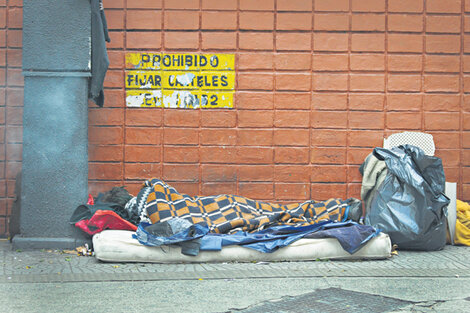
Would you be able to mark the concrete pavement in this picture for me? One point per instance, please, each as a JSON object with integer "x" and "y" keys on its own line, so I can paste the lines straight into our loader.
{"x": 51, "y": 281}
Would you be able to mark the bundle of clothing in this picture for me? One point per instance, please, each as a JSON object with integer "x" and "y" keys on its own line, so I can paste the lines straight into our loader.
{"x": 209, "y": 223}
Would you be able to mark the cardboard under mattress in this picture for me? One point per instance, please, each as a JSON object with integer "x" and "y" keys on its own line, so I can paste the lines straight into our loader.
{"x": 119, "y": 246}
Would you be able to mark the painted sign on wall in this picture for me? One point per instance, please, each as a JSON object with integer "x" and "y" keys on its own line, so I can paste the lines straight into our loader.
{"x": 188, "y": 81}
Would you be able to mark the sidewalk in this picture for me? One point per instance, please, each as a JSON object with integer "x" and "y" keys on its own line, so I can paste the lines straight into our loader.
{"x": 413, "y": 277}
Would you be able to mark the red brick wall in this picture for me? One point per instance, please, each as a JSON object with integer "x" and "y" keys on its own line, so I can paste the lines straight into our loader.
{"x": 319, "y": 84}
{"x": 11, "y": 104}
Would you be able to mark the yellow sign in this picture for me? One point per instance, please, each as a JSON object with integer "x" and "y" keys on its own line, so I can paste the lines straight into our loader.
{"x": 180, "y": 80}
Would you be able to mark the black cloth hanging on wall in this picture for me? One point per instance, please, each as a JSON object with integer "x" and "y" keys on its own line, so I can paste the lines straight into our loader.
{"x": 99, "y": 55}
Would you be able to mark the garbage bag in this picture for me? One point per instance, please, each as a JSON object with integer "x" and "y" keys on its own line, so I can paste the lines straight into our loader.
{"x": 410, "y": 205}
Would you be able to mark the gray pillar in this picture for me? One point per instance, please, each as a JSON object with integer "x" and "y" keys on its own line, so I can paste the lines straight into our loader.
{"x": 56, "y": 66}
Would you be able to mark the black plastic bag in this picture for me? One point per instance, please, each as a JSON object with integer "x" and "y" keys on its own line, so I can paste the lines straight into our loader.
{"x": 410, "y": 205}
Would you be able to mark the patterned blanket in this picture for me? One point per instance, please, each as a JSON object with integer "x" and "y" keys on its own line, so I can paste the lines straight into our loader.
{"x": 228, "y": 213}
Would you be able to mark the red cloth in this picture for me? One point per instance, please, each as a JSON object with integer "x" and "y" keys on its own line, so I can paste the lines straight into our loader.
{"x": 104, "y": 219}
{"x": 91, "y": 201}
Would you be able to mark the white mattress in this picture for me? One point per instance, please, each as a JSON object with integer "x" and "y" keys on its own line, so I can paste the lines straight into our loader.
{"x": 119, "y": 246}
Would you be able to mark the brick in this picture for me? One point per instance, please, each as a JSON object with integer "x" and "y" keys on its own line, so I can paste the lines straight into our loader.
{"x": 327, "y": 101}
{"x": 368, "y": 22}
{"x": 330, "y": 42}
{"x": 293, "y": 82}
{"x": 466, "y": 103}
{"x": 135, "y": 153}
{"x": 404, "y": 102}
{"x": 219, "y": 188}
{"x": 443, "y": 44}
{"x": 405, "y": 23}
{"x": 257, "y": 5}
{"x": 222, "y": 154}
{"x": 14, "y": 97}
{"x": 452, "y": 174}
{"x": 405, "y": 43}
{"x": 404, "y": 120}
{"x": 14, "y": 115}
{"x": 324, "y": 191}
{"x": 3, "y": 17}
{"x": 15, "y": 77}
{"x": 330, "y": 155}
{"x": 117, "y": 40}
{"x": 330, "y": 62}
{"x": 442, "y": 102}
{"x": 405, "y": 63}
{"x": 328, "y": 119}
{"x": 328, "y": 137}
{"x": 366, "y": 102}
{"x": 181, "y": 40}
{"x": 15, "y": 17}
{"x": 466, "y": 23}
{"x": 143, "y": 117}
{"x": 14, "y": 57}
{"x": 261, "y": 191}
{"x": 116, "y": 59}
{"x": 255, "y": 172}
{"x": 142, "y": 170}
{"x": 294, "y": 41}
{"x": 256, "y": 20}
{"x": 181, "y": 20}
{"x": 291, "y": 155}
{"x": 257, "y": 118}
{"x": 291, "y": 191}
{"x": 12, "y": 169}
{"x": 218, "y": 118}
{"x": 14, "y": 134}
{"x": 255, "y": 100}
{"x": 219, "y": 20}
{"x": 291, "y": 137}
{"x": 442, "y": 24}
{"x": 466, "y": 40}
{"x": 357, "y": 155}
{"x": 441, "y": 121}
{"x": 449, "y": 83}
{"x": 437, "y": 6}
{"x": 406, "y": 6}
{"x": 105, "y": 116}
{"x": 105, "y": 171}
{"x": 143, "y": 40}
{"x": 466, "y": 63}
{"x": 442, "y": 63}
{"x": 144, "y": 4}
{"x": 369, "y": 138}
{"x": 180, "y": 172}
{"x": 172, "y": 136}
{"x": 115, "y": 19}
{"x": 366, "y": 120}
{"x": 332, "y": 5}
{"x": 254, "y": 155}
{"x": 367, "y": 62}
{"x": 294, "y": 5}
{"x": 291, "y": 118}
{"x": 291, "y": 173}
{"x": 255, "y": 41}
{"x": 446, "y": 140}
{"x": 254, "y": 137}
{"x": 14, "y": 152}
{"x": 219, "y": 41}
{"x": 292, "y": 61}
{"x": 294, "y": 21}
{"x": 3, "y": 38}
{"x": 255, "y": 61}
{"x": 292, "y": 100}
{"x": 450, "y": 158}
{"x": 105, "y": 135}
{"x": 180, "y": 154}
{"x": 331, "y": 21}
{"x": 255, "y": 81}
{"x": 189, "y": 188}
{"x": 368, "y": 42}
{"x": 143, "y": 19}
{"x": 181, "y": 118}
{"x": 400, "y": 82}
{"x": 218, "y": 137}
{"x": 466, "y": 157}
{"x": 105, "y": 153}
{"x": 328, "y": 174}
{"x": 117, "y": 4}
{"x": 182, "y": 4}
{"x": 368, "y": 5}
{"x": 327, "y": 82}
{"x": 219, "y": 5}
{"x": 367, "y": 82}
{"x": 218, "y": 173}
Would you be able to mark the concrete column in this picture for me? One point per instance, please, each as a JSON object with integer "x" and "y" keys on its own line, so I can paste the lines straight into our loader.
{"x": 56, "y": 66}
